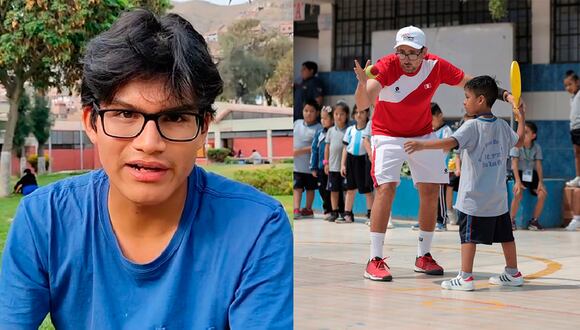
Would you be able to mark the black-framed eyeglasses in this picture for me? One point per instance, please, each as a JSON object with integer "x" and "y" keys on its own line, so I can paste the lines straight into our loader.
{"x": 172, "y": 125}
{"x": 410, "y": 56}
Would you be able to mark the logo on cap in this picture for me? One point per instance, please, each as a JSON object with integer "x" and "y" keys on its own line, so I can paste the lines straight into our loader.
{"x": 408, "y": 36}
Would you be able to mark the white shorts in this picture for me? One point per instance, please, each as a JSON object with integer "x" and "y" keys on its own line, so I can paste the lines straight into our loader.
{"x": 427, "y": 166}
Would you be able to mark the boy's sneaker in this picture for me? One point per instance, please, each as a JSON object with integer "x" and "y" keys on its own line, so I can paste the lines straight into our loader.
{"x": 459, "y": 283}
{"x": 441, "y": 227}
{"x": 573, "y": 225}
{"x": 415, "y": 226}
{"x": 327, "y": 216}
{"x": 535, "y": 225}
{"x": 333, "y": 217}
{"x": 297, "y": 214}
{"x": 377, "y": 270}
{"x": 348, "y": 218}
{"x": 307, "y": 213}
{"x": 574, "y": 182}
{"x": 505, "y": 279}
{"x": 426, "y": 264}
{"x": 368, "y": 223}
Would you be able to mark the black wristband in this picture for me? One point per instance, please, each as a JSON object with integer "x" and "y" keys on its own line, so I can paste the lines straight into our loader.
{"x": 500, "y": 92}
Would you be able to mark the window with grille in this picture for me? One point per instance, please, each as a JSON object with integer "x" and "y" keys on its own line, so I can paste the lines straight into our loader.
{"x": 355, "y": 20}
{"x": 565, "y": 31}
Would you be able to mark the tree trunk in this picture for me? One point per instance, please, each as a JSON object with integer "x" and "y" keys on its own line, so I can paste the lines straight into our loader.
{"x": 41, "y": 165}
{"x": 23, "y": 162}
{"x": 6, "y": 155}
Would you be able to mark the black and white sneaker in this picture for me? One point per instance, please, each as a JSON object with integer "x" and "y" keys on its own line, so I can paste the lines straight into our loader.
{"x": 505, "y": 279}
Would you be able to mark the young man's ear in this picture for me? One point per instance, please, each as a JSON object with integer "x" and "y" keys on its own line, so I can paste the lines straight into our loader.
{"x": 88, "y": 123}
{"x": 207, "y": 119}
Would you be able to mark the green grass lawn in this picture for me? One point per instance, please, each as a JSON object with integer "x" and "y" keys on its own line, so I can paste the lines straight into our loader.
{"x": 9, "y": 204}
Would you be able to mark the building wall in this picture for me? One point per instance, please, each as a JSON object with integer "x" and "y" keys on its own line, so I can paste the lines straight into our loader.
{"x": 281, "y": 146}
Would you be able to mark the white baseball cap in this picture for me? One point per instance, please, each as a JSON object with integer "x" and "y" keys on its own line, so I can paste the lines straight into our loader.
{"x": 410, "y": 36}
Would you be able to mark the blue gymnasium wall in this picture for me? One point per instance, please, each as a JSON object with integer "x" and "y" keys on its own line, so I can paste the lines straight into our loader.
{"x": 553, "y": 135}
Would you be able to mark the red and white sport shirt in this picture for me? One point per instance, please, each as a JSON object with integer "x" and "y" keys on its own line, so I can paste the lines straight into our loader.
{"x": 403, "y": 107}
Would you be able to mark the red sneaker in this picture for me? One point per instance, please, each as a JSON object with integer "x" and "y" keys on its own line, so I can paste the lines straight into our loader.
{"x": 297, "y": 214}
{"x": 307, "y": 213}
{"x": 377, "y": 270}
{"x": 426, "y": 264}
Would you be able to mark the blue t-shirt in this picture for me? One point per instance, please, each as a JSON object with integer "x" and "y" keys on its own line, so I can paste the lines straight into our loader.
{"x": 228, "y": 265}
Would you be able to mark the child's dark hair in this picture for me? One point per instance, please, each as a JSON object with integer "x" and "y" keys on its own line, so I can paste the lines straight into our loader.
{"x": 532, "y": 128}
{"x": 141, "y": 45}
{"x": 312, "y": 66}
{"x": 571, "y": 74}
{"x": 485, "y": 86}
{"x": 435, "y": 109}
{"x": 313, "y": 103}
{"x": 344, "y": 106}
{"x": 368, "y": 111}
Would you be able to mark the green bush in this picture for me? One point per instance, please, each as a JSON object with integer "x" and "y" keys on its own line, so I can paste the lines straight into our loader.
{"x": 218, "y": 154}
{"x": 272, "y": 181}
{"x": 287, "y": 161}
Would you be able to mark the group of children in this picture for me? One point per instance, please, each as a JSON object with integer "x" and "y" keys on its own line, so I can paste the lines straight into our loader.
{"x": 339, "y": 163}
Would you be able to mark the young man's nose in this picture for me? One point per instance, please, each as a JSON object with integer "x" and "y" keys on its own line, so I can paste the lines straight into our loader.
{"x": 150, "y": 140}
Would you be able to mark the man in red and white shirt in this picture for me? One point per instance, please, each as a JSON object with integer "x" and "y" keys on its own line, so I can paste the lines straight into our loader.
{"x": 401, "y": 91}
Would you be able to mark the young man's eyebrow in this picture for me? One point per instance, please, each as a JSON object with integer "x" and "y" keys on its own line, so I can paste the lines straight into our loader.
{"x": 182, "y": 107}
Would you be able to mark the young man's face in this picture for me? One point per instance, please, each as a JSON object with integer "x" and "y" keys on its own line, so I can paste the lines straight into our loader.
{"x": 413, "y": 59}
{"x": 309, "y": 113}
{"x": 148, "y": 169}
{"x": 572, "y": 86}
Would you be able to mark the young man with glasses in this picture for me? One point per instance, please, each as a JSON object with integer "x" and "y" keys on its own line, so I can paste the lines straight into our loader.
{"x": 402, "y": 92}
{"x": 150, "y": 241}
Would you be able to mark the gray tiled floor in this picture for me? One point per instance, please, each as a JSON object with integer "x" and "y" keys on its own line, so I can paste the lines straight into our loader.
{"x": 331, "y": 293}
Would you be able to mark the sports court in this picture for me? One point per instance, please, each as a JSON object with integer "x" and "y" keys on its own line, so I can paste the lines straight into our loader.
{"x": 331, "y": 293}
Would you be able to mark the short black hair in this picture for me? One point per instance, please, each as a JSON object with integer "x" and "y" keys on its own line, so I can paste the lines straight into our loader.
{"x": 571, "y": 73}
{"x": 313, "y": 103}
{"x": 27, "y": 171}
{"x": 484, "y": 85}
{"x": 141, "y": 45}
{"x": 312, "y": 66}
{"x": 532, "y": 128}
{"x": 435, "y": 109}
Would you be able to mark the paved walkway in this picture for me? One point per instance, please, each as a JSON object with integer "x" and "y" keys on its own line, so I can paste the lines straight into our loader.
{"x": 331, "y": 293}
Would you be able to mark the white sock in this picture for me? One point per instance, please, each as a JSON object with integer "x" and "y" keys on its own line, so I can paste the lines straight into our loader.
{"x": 424, "y": 246}
{"x": 377, "y": 241}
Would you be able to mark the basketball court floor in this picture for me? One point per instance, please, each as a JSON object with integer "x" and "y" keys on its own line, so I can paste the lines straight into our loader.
{"x": 331, "y": 293}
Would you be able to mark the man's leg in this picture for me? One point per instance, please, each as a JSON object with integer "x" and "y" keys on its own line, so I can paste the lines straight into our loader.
{"x": 428, "y": 195}
{"x": 376, "y": 268}
{"x": 309, "y": 199}
{"x": 577, "y": 158}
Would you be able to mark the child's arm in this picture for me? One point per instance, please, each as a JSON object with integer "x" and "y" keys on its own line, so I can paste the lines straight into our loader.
{"x": 540, "y": 171}
{"x": 518, "y": 186}
{"x": 521, "y": 117}
{"x": 343, "y": 162}
{"x": 302, "y": 151}
{"x": 415, "y": 145}
{"x": 367, "y": 146}
{"x": 326, "y": 157}
{"x": 457, "y": 165}
{"x": 314, "y": 155}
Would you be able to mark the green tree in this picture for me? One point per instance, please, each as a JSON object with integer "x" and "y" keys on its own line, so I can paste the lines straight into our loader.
{"x": 249, "y": 57}
{"x": 280, "y": 84}
{"x": 40, "y": 123}
{"x": 41, "y": 42}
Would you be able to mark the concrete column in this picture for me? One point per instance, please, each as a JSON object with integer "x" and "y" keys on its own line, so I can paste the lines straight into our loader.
{"x": 217, "y": 139}
{"x": 541, "y": 46}
{"x": 269, "y": 144}
{"x": 325, "y": 40}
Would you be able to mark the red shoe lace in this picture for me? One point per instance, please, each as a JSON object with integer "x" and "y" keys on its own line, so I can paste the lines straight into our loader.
{"x": 381, "y": 264}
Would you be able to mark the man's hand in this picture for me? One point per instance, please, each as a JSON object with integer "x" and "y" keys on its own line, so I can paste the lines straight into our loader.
{"x": 519, "y": 188}
{"x": 326, "y": 169}
{"x": 343, "y": 171}
{"x": 412, "y": 146}
{"x": 361, "y": 75}
{"x": 314, "y": 173}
